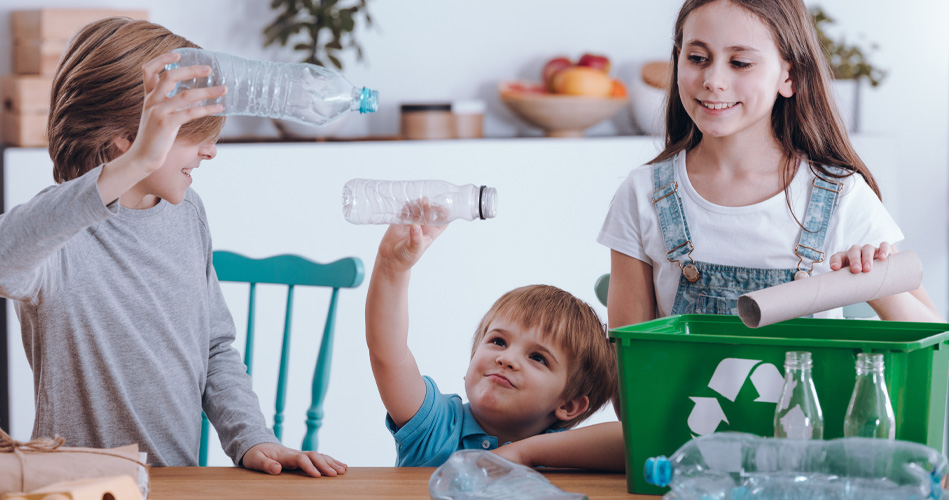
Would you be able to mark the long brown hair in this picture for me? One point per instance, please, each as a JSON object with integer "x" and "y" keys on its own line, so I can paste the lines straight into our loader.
{"x": 98, "y": 93}
{"x": 807, "y": 124}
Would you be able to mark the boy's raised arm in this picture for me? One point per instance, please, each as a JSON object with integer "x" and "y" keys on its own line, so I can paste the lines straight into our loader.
{"x": 387, "y": 320}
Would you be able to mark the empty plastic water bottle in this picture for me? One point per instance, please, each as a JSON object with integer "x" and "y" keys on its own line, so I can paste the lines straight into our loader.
{"x": 482, "y": 475}
{"x": 798, "y": 414}
{"x": 738, "y": 466}
{"x": 304, "y": 93}
{"x": 870, "y": 413}
{"x": 430, "y": 203}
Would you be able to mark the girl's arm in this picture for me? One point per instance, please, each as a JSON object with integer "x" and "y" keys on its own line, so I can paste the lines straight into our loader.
{"x": 632, "y": 294}
{"x": 595, "y": 447}
{"x": 908, "y": 306}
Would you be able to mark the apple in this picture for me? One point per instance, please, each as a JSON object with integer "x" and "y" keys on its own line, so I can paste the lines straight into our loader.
{"x": 595, "y": 61}
{"x": 552, "y": 67}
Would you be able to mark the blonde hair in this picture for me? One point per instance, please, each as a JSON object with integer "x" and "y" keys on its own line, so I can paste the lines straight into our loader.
{"x": 98, "y": 94}
{"x": 575, "y": 326}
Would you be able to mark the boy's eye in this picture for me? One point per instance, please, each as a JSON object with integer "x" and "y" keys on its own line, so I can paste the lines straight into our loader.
{"x": 498, "y": 341}
{"x": 741, "y": 64}
{"x": 538, "y": 358}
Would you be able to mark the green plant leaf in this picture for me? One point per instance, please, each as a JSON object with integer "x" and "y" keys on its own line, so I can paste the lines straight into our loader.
{"x": 311, "y": 17}
{"x": 847, "y": 62}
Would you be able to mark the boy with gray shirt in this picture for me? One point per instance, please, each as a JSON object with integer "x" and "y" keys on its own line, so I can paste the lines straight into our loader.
{"x": 111, "y": 274}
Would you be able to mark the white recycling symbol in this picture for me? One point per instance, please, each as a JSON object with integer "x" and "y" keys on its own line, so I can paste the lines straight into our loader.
{"x": 729, "y": 376}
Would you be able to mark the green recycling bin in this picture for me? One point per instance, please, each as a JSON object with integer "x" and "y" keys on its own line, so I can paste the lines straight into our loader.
{"x": 688, "y": 375}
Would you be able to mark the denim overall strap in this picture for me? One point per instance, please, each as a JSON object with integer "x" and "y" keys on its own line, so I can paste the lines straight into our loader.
{"x": 825, "y": 192}
{"x": 665, "y": 197}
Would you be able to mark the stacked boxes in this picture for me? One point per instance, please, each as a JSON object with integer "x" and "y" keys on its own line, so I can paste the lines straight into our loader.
{"x": 39, "y": 38}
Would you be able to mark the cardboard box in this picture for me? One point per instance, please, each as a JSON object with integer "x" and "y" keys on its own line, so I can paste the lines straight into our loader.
{"x": 61, "y": 24}
{"x": 40, "y": 36}
{"x": 25, "y": 94}
{"x": 26, "y": 130}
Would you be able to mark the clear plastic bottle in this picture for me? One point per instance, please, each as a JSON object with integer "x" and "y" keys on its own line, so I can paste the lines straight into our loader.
{"x": 738, "y": 466}
{"x": 304, "y": 93}
{"x": 428, "y": 202}
{"x": 482, "y": 475}
{"x": 870, "y": 413}
{"x": 798, "y": 414}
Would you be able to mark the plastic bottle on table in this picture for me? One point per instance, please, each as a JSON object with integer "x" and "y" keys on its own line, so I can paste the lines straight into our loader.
{"x": 738, "y": 466}
{"x": 304, "y": 93}
{"x": 870, "y": 413}
{"x": 482, "y": 475}
{"x": 798, "y": 414}
{"x": 430, "y": 202}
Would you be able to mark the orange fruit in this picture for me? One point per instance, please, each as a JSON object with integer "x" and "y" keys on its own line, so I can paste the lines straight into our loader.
{"x": 619, "y": 90}
{"x": 581, "y": 80}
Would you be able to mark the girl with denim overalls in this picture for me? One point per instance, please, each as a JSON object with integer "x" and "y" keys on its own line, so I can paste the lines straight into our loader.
{"x": 758, "y": 183}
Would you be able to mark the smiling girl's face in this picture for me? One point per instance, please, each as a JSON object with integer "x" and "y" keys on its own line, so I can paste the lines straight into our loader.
{"x": 730, "y": 72}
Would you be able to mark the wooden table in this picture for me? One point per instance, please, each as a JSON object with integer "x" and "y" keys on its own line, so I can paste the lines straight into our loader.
{"x": 198, "y": 483}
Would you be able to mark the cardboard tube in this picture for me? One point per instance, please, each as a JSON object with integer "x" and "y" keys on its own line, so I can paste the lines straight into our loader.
{"x": 899, "y": 273}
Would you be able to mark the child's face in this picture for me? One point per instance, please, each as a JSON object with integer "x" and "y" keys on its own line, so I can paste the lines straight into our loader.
{"x": 516, "y": 378}
{"x": 729, "y": 70}
{"x": 171, "y": 181}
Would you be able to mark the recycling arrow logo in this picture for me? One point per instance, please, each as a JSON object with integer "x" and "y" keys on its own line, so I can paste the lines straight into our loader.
{"x": 729, "y": 376}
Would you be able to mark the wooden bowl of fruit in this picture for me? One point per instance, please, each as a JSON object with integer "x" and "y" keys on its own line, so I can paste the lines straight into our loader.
{"x": 571, "y": 98}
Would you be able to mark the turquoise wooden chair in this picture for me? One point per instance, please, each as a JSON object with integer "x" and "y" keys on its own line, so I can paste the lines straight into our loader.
{"x": 855, "y": 311}
{"x": 602, "y": 288}
{"x": 290, "y": 270}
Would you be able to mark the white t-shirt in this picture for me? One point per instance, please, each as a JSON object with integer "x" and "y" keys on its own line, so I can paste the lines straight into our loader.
{"x": 762, "y": 235}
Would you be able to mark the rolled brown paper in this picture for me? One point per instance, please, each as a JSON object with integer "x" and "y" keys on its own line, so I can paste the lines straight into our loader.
{"x": 902, "y": 272}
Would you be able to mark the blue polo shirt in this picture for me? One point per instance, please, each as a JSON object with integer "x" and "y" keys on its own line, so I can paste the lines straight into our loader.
{"x": 442, "y": 426}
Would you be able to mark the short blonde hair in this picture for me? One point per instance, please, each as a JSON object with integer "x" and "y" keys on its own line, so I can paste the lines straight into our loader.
{"x": 575, "y": 326}
{"x": 98, "y": 94}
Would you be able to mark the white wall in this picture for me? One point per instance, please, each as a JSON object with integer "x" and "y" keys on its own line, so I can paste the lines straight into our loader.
{"x": 454, "y": 49}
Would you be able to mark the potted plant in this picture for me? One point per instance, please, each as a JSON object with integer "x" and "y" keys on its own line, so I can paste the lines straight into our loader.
{"x": 321, "y": 30}
{"x": 849, "y": 65}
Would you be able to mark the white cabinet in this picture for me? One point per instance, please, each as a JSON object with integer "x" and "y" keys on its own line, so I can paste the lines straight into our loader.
{"x": 266, "y": 199}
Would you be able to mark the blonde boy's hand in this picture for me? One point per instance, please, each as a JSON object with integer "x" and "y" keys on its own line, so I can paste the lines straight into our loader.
{"x": 272, "y": 458}
{"x": 163, "y": 116}
{"x": 403, "y": 246}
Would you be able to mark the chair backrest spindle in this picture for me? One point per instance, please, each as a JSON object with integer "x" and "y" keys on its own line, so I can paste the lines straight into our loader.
{"x": 289, "y": 270}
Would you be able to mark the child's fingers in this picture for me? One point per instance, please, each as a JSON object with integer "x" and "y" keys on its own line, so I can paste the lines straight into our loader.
{"x": 151, "y": 69}
{"x": 168, "y": 80}
{"x": 866, "y": 256}
{"x": 188, "y": 98}
{"x": 837, "y": 261}
{"x": 884, "y": 251}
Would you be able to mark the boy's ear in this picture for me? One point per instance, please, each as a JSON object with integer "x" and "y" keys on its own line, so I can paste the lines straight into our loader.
{"x": 786, "y": 88}
{"x": 573, "y": 408}
{"x": 122, "y": 143}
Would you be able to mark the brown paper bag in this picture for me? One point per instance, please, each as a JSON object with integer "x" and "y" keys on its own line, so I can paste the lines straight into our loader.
{"x": 41, "y": 462}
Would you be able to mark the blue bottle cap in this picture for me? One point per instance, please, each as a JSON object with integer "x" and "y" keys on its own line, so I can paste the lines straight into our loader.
{"x": 368, "y": 100}
{"x": 658, "y": 471}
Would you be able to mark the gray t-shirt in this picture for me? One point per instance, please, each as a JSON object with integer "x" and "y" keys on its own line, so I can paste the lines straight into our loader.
{"x": 124, "y": 324}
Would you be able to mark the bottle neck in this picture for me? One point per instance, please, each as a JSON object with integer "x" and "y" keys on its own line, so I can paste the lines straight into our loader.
{"x": 869, "y": 364}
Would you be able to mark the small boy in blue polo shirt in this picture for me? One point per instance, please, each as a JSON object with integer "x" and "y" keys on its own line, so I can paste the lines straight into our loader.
{"x": 540, "y": 363}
